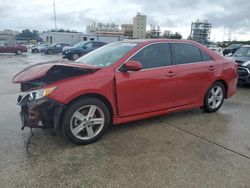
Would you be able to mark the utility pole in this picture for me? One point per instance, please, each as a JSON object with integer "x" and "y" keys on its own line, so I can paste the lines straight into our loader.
{"x": 54, "y": 5}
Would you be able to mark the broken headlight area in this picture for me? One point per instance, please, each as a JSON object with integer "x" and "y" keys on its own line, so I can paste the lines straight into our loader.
{"x": 38, "y": 111}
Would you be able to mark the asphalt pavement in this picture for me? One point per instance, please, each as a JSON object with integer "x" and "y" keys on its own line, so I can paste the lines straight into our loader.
{"x": 183, "y": 149}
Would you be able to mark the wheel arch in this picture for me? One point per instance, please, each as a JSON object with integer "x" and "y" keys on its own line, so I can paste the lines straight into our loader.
{"x": 225, "y": 86}
{"x": 93, "y": 95}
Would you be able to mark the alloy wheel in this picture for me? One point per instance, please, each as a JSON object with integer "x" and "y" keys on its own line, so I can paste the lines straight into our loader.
{"x": 215, "y": 97}
{"x": 87, "y": 122}
{"x": 75, "y": 57}
{"x": 18, "y": 52}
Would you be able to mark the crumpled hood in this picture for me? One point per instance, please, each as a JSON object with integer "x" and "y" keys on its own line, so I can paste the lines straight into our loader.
{"x": 52, "y": 71}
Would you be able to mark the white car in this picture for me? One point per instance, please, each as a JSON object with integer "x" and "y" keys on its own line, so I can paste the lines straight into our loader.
{"x": 37, "y": 49}
{"x": 215, "y": 48}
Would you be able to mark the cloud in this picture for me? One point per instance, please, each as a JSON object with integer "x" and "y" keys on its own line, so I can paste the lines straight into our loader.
{"x": 172, "y": 14}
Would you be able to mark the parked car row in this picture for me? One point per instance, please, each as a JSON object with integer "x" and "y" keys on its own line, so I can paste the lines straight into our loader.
{"x": 68, "y": 52}
{"x": 80, "y": 49}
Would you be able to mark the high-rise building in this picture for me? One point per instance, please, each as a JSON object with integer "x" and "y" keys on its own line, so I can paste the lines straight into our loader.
{"x": 139, "y": 26}
{"x": 200, "y": 31}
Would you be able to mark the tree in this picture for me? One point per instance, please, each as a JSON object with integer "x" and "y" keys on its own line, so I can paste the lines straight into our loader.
{"x": 176, "y": 36}
{"x": 63, "y": 30}
{"x": 27, "y": 35}
{"x": 171, "y": 35}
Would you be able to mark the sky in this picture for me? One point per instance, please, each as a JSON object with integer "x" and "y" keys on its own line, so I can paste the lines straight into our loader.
{"x": 229, "y": 18}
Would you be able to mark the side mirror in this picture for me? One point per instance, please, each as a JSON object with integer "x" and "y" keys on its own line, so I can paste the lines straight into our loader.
{"x": 132, "y": 66}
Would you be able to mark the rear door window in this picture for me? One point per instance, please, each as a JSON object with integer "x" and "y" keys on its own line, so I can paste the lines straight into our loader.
{"x": 186, "y": 53}
{"x": 205, "y": 57}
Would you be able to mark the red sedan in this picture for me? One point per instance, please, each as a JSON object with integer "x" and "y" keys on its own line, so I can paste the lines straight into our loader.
{"x": 13, "y": 48}
{"x": 122, "y": 82}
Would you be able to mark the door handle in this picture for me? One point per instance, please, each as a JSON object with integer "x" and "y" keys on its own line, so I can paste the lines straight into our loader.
{"x": 170, "y": 74}
{"x": 211, "y": 68}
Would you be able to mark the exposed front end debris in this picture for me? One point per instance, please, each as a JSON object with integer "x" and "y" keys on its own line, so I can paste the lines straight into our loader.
{"x": 43, "y": 113}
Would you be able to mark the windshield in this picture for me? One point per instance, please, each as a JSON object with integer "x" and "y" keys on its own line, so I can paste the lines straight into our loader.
{"x": 243, "y": 52}
{"x": 53, "y": 45}
{"x": 80, "y": 44}
{"x": 234, "y": 45}
{"x": 107, "y": 55}
{"x": 43, "y": 45}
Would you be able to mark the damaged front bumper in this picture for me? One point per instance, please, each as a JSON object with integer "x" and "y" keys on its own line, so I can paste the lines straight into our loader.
{"x": 42, "y": 113}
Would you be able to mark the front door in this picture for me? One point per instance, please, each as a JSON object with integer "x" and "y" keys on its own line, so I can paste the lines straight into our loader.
{"x": 150, "y": 89}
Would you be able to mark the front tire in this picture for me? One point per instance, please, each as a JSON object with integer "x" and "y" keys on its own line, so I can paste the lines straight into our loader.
{"x": 35, "y": 51}
{"x": 214, "y": 97}
{"x": 75, "y": 56}
{"x": 49, "y": 52}
{"x": 86, "y": 120}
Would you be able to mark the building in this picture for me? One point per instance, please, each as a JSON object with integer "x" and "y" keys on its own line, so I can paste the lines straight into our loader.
{"x": 104, "y": 28}
{"x": 73, "y": 38}
{"x": 128, "y": 30}
{"x": 7, "y": 37}
{"x": 64, "y": 37}
{"x": 200, "y": 31}
{"x": 102, "y": 38}
{"x": 154, "y": 32}
{"x": 139, "y": 26}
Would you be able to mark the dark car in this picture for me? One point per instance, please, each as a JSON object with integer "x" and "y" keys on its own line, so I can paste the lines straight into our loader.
{"x": 81, "y": 49}
{"x": 37, "y": 49}
{"x": 54, "y": 48}
{"x": 13, "y": 48}
{"x": 242, "y": 58}
{"x": 122, "y": 82}
{"x": 231, "y": 49}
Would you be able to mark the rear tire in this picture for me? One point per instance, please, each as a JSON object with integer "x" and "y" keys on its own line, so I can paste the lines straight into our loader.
{"x": 85, "y": 121}
{"x": 19, "y": 52}
{"x": 214, "y": 98}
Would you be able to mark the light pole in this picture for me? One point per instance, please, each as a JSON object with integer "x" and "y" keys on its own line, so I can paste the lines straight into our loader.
{"x": 54, "y": 5}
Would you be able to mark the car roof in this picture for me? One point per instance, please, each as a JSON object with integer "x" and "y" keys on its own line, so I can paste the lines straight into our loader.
{"x": 159, "y": 40}
{"x": 245, "y": 46}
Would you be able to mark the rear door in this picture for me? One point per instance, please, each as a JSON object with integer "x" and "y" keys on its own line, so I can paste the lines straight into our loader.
{"x": 150, "y": 89}
{"x": 195, "y": 72}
